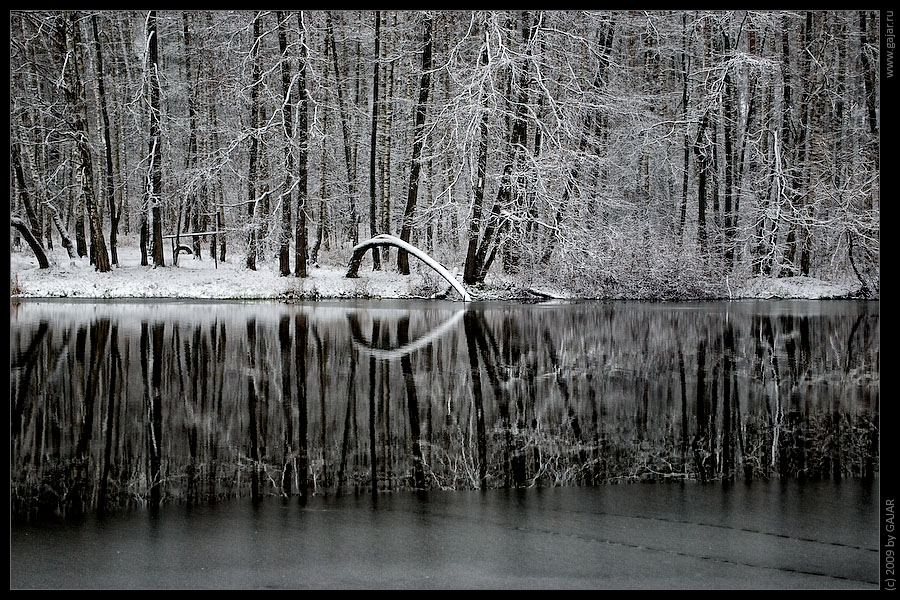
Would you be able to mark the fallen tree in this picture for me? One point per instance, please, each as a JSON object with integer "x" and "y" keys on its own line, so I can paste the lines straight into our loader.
{"x": 389, "y": 240}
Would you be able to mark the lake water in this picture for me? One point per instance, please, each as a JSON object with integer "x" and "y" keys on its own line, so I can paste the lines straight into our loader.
{"x": 429, "y": 444}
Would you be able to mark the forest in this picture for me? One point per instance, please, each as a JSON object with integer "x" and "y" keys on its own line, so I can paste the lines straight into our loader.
{"x": 616, "y": 153}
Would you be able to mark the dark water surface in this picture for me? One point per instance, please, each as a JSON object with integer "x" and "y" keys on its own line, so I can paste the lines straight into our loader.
{"x": 428, "y": 444}
{"x": 762, "y": 535}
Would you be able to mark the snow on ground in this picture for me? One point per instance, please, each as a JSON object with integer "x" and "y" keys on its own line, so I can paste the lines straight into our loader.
{"x": 793, "y": 287}
{"x": 194, "y": 278}
{"x": 205, "y": 279}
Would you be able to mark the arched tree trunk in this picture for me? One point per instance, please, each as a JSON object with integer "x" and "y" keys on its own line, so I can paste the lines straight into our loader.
{"x": 389, "y": 240}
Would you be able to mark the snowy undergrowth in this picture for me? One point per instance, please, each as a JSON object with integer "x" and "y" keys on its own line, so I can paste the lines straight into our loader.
{"x": 794, "y": 287}
{"x": 205, "y": 279}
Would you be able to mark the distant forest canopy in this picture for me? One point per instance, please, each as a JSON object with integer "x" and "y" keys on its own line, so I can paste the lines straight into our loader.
{"x": 628, "y": 152}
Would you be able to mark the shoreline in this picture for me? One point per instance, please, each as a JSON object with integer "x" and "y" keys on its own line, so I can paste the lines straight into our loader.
{"x": 204, "y": 279}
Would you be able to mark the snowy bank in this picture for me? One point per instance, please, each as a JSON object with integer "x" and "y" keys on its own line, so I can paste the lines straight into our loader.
{"x": 204, "y": 279}
{"x": 794, "y": 288}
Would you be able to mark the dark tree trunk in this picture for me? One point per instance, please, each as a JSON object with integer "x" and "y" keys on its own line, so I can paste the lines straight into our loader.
{"x": 345, "y": 129}
{"x": 107, "y": 145}
{"x": 301, "y": 330}
{"x": 80, "y": 240}
{"x": 701, "y": 150}
{"x": 868, "y": 76}
{"x": 254, "y": 144}
{"x": 728, "y": 126}
{"x": 686, "y": 152}
{"x": 787, "y": 137}
{"x": 412, "y": 404}
{"x": 284, "y": 249}
{"x": 193, "y": 219}
{"x": 300, "y": 241}
{"x": 472, "y": 268}
{"x": 373, "y": 206}
{"x": 22, "y": 227}
{"x": 155, "y": 177}
{"x": 323, "y": 209}
{"x": 151, "y": 356}
{"x": 418, "y": 142}
{"x": 471, "y": 325}
{"x": 286, "y": 344}
{"x": 387, "y": 124}
{"x": 253, "y": 412}
{"x": 373, "y": 442}
{"x": 76, "y": 99}
{"x": 16, "y": 160}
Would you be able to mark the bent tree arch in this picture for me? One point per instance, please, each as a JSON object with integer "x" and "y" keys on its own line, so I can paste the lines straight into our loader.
{"x": 389, "y": 240}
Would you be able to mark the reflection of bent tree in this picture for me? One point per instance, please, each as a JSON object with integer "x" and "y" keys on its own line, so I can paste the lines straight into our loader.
{"x": 368, "y": 347}
{"x": 389, "y": 240}
{"x": 119, "y": 410}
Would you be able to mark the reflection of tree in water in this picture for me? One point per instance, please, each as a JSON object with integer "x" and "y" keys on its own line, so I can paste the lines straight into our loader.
{"x": 111, "y": 412}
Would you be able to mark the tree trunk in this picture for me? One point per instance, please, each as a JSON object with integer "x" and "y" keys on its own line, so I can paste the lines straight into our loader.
{"x": 472, "y": 268}
{"x": 388, "y": 105}
{"x": 728, "y": 127}
{"x": 78, "y": 206}
{"x": 61, "y": 229}
{"x": 373, "y": 144}
{"x": 869, "y": 76}
{"x": 16, "y": 160}
{"x": 686, "y": 152}
{"x": 78, "y": 104}
{"x": 345, "y": 129}
{"x": 518, "y": 142}
{"x": 284, "y": 249}
{"x": 252, "y": 177}
{"x": 323, "y": 209}
{"x": 418, "y": 142}
{"x": 22, "y": 227}
{"x": 300, "y": 241}
{"x": 154, "y": 179}
{"x": 193, "y": 219}
{"x": 787, "y": 137}
{"x": 701, "y": 151}
{"x": 107, "y": 144}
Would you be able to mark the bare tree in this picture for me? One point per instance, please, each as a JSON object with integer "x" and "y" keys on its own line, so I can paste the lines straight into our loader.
{"x": 22, "y": 227}
{"x": 287, "y": 108}
{"x": 253, "y": 185}
{"x": 108, "y": 171}
{"x": 343, "y": 110}
{"x": 373, "y": 145}
{"x": 418, "y": 143}
{"x": 617, "y": 153}
{"x": 75, "y": 94}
